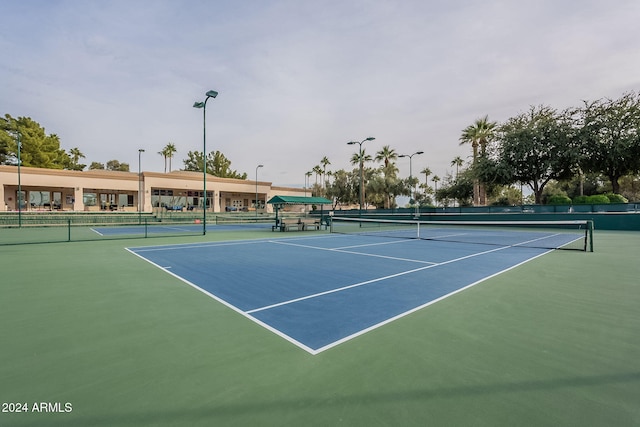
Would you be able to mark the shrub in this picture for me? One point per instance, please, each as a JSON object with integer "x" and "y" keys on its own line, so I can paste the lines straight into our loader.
{"x": 599, "y": 199}
{"x": 616, "y": 198}
{"x": 581, "y": 200}
{"x": 558, "y": 200}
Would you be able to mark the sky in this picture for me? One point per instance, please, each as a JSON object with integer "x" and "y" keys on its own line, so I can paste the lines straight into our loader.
{"x": 298, "y": 79}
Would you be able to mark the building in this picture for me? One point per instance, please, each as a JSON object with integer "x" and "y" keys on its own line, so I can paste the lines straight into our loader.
{"x": 103, "y": 190}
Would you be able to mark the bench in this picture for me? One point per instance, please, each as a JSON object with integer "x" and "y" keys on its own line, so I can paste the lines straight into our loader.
{"x": 290, "y": 224}
{"x": 174, "y": 208}
{"x": 310, "y": 224}
{"x": 299, "y": 224}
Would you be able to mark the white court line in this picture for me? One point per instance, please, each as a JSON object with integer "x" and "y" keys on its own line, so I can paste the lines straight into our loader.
{"x": 231, "y": 306}
{"x": 186, "y": 230}
{"x": 353, "y": 252}
{"x": 215, "y": 244}
{"x": 413, "y": 310}
{"x": 379, "y": 278}
{"x": 374, "y": 280}
{"x": 375, "y": 244}
{"x": 196, "y": 245}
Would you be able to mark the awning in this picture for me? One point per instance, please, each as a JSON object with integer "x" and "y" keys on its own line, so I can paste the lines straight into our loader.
{"x": 298, "y": 200}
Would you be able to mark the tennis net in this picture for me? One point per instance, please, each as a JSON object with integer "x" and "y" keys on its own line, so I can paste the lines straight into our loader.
{"x": 572, "y": 235}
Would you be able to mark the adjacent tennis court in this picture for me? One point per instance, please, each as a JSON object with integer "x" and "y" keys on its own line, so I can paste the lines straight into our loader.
{"x": 320, "y": 291}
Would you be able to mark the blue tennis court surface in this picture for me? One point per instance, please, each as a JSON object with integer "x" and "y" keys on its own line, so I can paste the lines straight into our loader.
{"x": 319, "y": 291}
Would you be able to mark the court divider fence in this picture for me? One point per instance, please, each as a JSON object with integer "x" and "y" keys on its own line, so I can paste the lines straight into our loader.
{"x": 54, "y": 230}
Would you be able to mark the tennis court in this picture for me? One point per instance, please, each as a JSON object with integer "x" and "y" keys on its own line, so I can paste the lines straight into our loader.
{"x": 323, "y": 290}
{"x": 551, "y": 340}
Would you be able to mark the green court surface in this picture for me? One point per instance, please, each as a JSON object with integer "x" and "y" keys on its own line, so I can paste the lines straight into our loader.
{"x": 104, "y": 338}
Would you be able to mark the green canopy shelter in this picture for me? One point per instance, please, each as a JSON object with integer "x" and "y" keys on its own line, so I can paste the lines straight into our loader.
{"x": 280, "y": 202}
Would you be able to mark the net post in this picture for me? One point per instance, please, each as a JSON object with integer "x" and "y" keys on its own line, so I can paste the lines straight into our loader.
{"x": 68, "y": 229}
{"x": 590, "y": 231}
{"x": 146, "y": 222}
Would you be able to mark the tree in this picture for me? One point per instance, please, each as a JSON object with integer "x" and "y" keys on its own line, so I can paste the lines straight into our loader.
{"x": 389, "y": 184}
{"x": 343, "y": 189}
{"x": 426, "y": 171}
{"x": 360, "y": 159}
{"x": 115, "y": 165}
{"x": 318, "y": 171}
{"x": 508, "y": 196}
{"x": 457, "y": 162}
{"x": 479, "y": 135}
{"x": 435, "y": 180}
{"x": 7, "y": 136}
{"x": 167, "y": 153}
{"x": 37, "y": 149}
{"x": 459, "y": 189}
{"x": 308, "y": 175}
{"x": 217, "y": 165}
{"x": 163, "y": 153}
{"x": 533, "y": 148}
{"x": 610, "y": 136}
{"x": 386, "y": 155}
{"x": 74, "y": 157}
{"x": 324, "y": 162}
{"x": 96, "y": 166}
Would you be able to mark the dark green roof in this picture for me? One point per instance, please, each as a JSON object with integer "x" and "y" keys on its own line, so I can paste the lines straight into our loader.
{"x": 298, "y": 200}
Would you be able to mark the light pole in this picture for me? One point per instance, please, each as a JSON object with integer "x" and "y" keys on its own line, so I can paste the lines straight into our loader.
{"x": 140, "y": 151}
{"x": 257, "y": 167}
{"x": 361, "y": 176}
{"x": 306, "y": 182}
{"x": 410, "y": 156}
{"x": 19, "y": 182}
{"x": 203, "y": 105}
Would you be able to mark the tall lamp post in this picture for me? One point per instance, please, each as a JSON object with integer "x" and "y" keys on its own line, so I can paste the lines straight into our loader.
{"x": 306, "y": 182}
{"x": 140, "y": 192}
{"x": 257, "y": 167}
{"x": 19, "y": 182}
{"x": 361, "y": 176}
{"x": 410, "y": 156}
{"x": 203, "y": 105}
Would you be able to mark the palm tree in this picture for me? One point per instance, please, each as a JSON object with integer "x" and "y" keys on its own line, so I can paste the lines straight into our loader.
{"x": 324, "y": 162}
{"x": 479, "y": 134}
{"x": 457, "y": 162}
{"x": 360, "y": 159}
{"x": 307, "y": 175}
{"x": 357, "y": 159}
{"x": 435, "y": 180}
{"x": 170, "y": 150}
{"x": 75, "y": 154}
{"x": 426, "y": 171}
{"x": 167, "y": 153}
{"x": 164, "y": 157}
{"x": 386, "y": 155}
{"x": 318, "y": 171}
